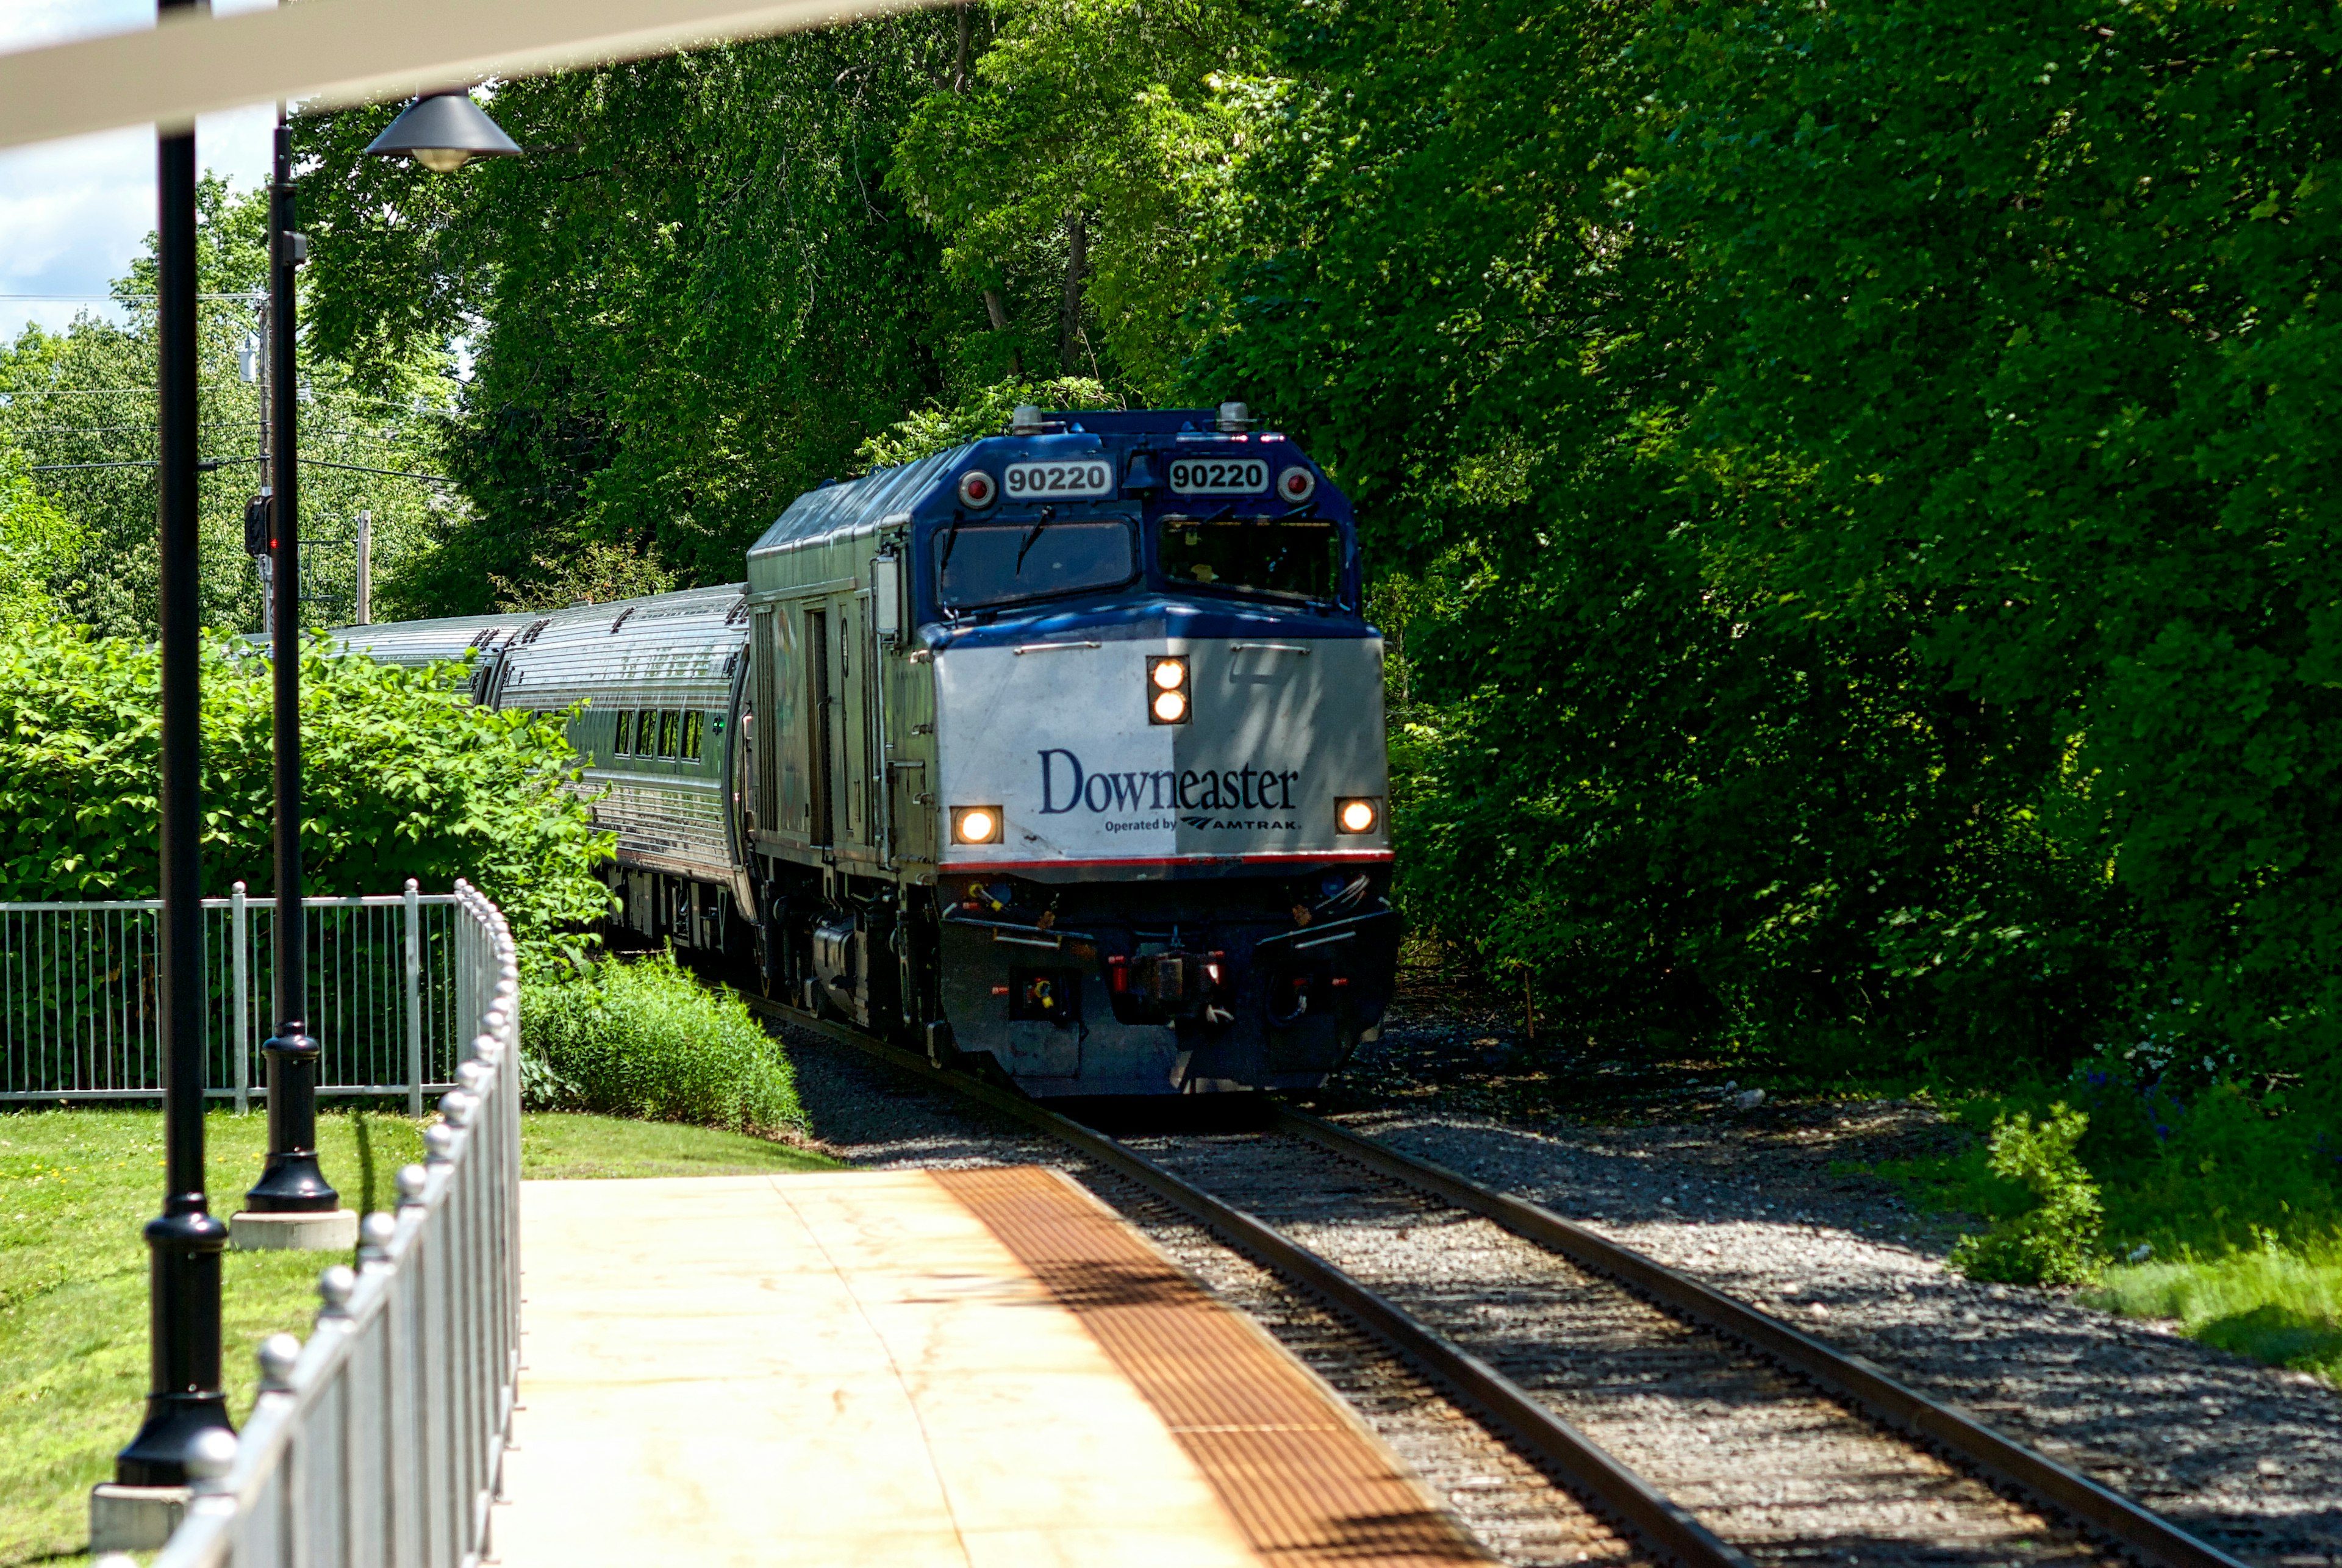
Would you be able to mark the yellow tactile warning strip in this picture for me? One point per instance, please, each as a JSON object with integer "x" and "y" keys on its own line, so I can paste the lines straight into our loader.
{"x": 1304, "y": 1482}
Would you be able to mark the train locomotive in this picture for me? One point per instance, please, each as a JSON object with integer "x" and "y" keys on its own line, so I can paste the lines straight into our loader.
{"x": 1063, "y": 747}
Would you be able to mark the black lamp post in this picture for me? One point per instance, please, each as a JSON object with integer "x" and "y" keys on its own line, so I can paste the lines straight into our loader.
{"x": 185, "y": 1242}
{"x": 291, "y": 1182}
{"x": 441, "y": 131}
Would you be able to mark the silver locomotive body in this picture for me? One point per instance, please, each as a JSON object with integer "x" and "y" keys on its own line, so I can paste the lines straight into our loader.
{"x": 1064, "y": 748}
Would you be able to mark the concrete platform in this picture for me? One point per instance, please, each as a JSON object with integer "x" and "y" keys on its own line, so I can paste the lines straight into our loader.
{"x": 856, "y": 1368}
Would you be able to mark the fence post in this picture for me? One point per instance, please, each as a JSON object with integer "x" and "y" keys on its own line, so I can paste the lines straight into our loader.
{"x": 240, "y": 1027}
{"x": 414, "y": 1005}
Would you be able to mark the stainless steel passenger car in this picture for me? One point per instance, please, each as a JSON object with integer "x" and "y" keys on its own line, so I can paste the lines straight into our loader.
{"x": 1063, "y": 747}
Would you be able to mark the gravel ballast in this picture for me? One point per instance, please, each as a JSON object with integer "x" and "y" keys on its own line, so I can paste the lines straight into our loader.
{"x": 2247, "y": 1456}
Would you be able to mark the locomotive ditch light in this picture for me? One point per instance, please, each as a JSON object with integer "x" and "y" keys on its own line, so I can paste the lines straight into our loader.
{"x": 975, "y": 823}
{"x": 1166, "y": 689}
{"x": 1356, "y": 813}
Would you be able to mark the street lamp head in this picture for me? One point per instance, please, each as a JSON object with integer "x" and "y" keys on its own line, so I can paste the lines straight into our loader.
{"x": 443, "y": 132}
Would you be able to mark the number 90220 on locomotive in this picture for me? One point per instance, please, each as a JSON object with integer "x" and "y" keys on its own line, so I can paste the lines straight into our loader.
{"x": 1064, "y": 746}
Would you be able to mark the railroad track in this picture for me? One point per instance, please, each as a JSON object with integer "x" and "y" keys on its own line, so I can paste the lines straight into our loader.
{"x": 1646, "y": 1334}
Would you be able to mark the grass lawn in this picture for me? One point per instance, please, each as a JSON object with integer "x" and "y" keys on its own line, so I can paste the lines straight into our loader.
{"x": 2279, "y": 1302}
{"x": 75, "y": 1187}
{"x": 556, "y": 1146}
{"x": 2273, "y": 1305}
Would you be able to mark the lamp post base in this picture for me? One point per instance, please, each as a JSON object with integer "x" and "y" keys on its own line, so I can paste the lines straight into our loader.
{"x": 134, "y": 1518}
{"x": 332, "y": 1230}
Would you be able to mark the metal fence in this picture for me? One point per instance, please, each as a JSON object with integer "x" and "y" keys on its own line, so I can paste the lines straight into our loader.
{"x": 380, "y": 1442}
{"x": 80, "y": 999}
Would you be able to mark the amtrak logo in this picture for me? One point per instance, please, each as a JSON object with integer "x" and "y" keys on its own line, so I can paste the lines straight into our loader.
{"x": 1224, "y": 822}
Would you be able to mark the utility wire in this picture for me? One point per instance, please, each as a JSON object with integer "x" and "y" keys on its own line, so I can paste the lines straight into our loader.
{"x": 211, "y": 462}
{"x": 383, "y": 436}
{"x": 127, "y": 298}
{"x": 121, "y": 429}
{"x": 393, "y": 473}
{"x": 123, "y": 391}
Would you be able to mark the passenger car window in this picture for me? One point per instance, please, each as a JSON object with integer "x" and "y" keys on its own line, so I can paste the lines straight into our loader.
{"x": 626, "y": 740}
{"x": 670, "y": 728}
{"x": 982, "y": 566}
{"x": 691, "y": 736}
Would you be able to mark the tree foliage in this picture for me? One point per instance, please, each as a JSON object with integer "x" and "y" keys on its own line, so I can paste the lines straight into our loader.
{"x": 1863, "y": 456}
{"x": 80, "y": 406}
{"x": 38, "y": 544}
{"x": 693, "y": 300}
{"x": 1089, "y": 154}
{"x": 984, "y": 412}
{"x": 402, "y": 776}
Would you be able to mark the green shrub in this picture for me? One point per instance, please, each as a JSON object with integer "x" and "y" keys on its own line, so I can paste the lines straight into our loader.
{"x": 2054, "y": 1240}
{"x": 403, "y": 776}
{"x": 642, "y": 1038}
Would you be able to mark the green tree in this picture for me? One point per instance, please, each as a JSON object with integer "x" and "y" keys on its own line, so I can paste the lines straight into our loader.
{"x": 693, "y": 300}
{"x": 2034, "y": 303}
{"x": 1081, "y": 169}
{"x": 80, "y": 404}
{"x": 37, "y": 545}
{"x": 1712, "y": 782}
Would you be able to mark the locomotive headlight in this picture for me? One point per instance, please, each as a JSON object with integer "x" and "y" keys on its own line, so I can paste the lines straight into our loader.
{"x": 975, "y": 823}
{"x": 1166, "y": 689}
{"x": 1357, "y": 815}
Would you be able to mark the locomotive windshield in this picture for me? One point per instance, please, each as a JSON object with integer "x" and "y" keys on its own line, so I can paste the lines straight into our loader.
{"x": 994, "y": 563}
{"x": 1298, "y": 557}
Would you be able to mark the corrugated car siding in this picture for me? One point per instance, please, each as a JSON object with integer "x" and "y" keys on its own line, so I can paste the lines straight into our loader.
{"x": 677, "y": 651}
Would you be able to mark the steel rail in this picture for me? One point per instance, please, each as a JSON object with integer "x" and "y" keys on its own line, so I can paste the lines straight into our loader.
{"x": 1862, "y": 1383}
{"x": 1578, "y": 1463}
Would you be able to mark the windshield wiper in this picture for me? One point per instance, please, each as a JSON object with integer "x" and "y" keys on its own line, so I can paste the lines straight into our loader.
{"x": 1043, "y": 521}
{"x": 951, "y": 537}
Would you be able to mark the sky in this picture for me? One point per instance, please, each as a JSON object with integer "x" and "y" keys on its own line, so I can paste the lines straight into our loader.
{"x": 74, "y": 213}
